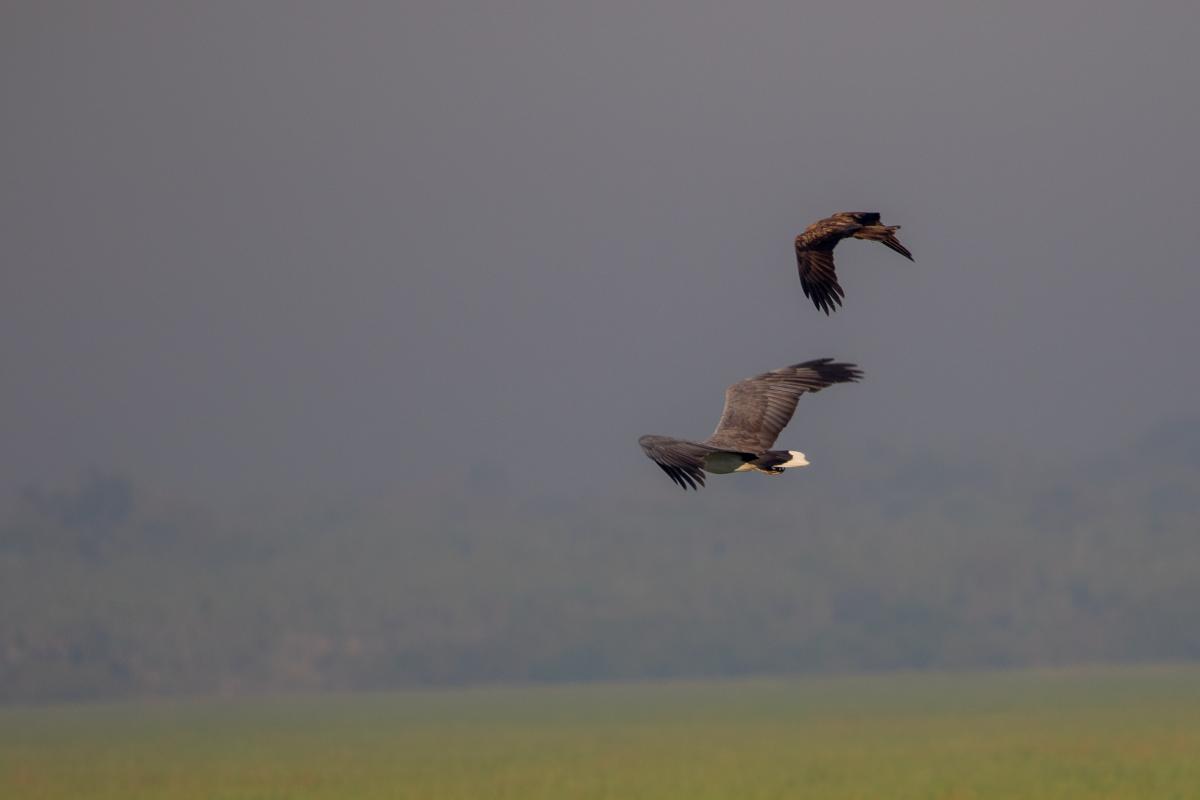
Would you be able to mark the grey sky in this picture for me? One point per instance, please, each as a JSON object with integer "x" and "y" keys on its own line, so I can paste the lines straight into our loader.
{"x": 360, "y": 246}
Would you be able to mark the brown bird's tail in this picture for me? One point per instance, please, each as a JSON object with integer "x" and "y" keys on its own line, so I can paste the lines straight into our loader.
{"x": 885, "y": 234}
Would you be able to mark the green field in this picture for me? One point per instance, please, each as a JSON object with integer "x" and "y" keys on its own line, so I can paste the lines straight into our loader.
{"x": 1070, "y": 734}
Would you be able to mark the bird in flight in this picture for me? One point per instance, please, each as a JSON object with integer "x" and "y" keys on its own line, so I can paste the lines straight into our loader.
{"x": 756, "y": 410}
{"x": 814, "y": 252}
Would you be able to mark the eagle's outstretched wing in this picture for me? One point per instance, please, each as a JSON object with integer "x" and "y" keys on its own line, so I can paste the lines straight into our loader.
{"x": 758, "y": 408}
{"x": 683, "y": 461}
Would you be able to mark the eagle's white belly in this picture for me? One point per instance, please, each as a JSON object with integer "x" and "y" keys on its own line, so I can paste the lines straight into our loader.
{"x": 724, "y": 463}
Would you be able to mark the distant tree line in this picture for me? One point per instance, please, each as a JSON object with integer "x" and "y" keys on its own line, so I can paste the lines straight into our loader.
{"x": 105, "y": 593}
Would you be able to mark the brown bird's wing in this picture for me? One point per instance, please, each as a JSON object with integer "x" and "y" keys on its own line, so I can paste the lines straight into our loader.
{"x": 814, "y": 259}
{"x": 758, "y": 408}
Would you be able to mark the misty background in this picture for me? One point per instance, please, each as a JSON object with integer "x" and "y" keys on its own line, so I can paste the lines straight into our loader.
{"x": 327, "y": 333}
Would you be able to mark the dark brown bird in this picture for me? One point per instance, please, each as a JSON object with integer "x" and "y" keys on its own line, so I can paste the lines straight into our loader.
{"x": 814, "y": 252}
